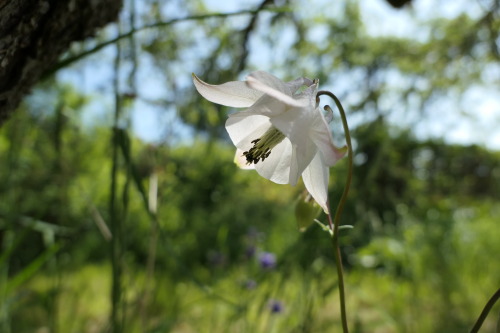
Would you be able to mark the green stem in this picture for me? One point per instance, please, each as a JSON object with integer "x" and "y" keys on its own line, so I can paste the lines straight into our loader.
{"x": 340, "y": 208}
{"x": 486, "y": 310}
{"x": 115, "y": 220}
{"x": 340, "y": 275}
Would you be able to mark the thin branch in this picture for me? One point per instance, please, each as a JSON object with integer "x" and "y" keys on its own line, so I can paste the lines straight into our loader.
{"x": 486, "y": 310}
{"x": 70, "y": 60}
{"x": 247, "y": 31}
{"x": 114, "y": 212}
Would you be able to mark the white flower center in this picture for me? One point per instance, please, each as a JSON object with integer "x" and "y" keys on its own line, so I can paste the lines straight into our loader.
{"x": 262, "y": 146}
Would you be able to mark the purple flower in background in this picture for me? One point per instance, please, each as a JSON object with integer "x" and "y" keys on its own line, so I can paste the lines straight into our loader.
{"x": 250, "y": 252}
{"x": 250, "y": 284}
{"x": 216, "y": 258}
{"x": 267, "y": 260}
{"x": 275, "y": 306}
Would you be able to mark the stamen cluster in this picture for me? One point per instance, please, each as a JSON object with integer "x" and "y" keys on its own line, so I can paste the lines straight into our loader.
{"x": 262, "y": 146}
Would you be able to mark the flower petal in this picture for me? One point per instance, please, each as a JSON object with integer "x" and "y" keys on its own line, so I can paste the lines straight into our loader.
{"x": 295, "y": 124}
{"x": 302, "y": 156}
{"x": 276, "y": 167}
{"x": 243, "y": 128}
{"x": 270, "y": 81}
{"x": 267, "y": 106}
{"x": 273, "y": 87}
{"x": 315, "y": 178}
{"x": 294, "y": 85}
{"x": 234, "y": 94}
{"x": 320, "y": 134}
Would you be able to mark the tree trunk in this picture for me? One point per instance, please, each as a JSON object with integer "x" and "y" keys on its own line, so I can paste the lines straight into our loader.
{"x": 34, "y": 33}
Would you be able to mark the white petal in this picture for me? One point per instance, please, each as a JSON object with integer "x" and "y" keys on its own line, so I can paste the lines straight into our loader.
{"x": 315, "y": 178}
{"x": 234, "y": 94}
{"x": 267, "y": 106}
{"x": 244, "y": 127}
{"x": 276, "y": 167}
{"x": 273, "y": 87}
{"x": 302, "y": 155}
{"x": 294, "y": 85}
{"x": 308, "y": 96}
{"x": 270, "y": 81}
{"x": 320, "y": 134}
{"x": 295, "y": 124}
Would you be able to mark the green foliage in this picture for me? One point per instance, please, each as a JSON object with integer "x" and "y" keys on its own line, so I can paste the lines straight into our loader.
{"x": 210, "y": 214}
{"x": 405, "y": 172}
{"x": 306, "y": 211}
{"x": 433, "y": 264}
{"x": 421, "y": 255}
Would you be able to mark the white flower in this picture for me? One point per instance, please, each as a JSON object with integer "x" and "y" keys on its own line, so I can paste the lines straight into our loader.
{"x": 282, "y": 133}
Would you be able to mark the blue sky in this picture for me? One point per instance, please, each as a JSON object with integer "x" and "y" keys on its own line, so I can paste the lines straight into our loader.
{"x": 150, "y": 123}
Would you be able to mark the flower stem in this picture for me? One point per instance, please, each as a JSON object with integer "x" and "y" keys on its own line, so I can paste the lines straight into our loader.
{"x": 340, "y": 208}
{"x": 340, "y": 276}
{"x": 486, "y": 310}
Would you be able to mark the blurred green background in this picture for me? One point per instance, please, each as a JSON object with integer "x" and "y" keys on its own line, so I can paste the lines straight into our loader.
{"x": 121, "y": 209}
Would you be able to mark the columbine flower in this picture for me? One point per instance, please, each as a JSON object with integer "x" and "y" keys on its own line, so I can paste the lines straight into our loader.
{"x": 283, "y": 134}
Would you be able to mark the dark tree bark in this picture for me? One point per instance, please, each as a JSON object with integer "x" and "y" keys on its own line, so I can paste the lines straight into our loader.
{"x": 34, "y": 33}
{"x": 399, "y": 3}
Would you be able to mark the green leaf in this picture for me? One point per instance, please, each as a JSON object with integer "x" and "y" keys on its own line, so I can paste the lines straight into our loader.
{"x": 30, "y": 270}
{"x": 305, "y": 212}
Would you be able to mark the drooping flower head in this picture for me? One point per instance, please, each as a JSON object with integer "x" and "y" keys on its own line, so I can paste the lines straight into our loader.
{"x": 282, "y": 134}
